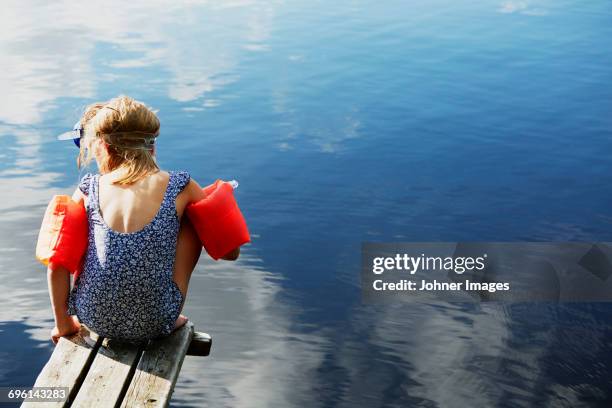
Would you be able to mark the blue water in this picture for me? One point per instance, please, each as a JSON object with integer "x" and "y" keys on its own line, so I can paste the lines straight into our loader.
{"x": 344, "y": 122}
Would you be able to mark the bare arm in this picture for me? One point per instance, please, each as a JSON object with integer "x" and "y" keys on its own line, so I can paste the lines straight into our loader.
{"x": 188, "y": 250}
{"x": 232, "y": 256}
{"x": 78, "y": 196}
{"x": 194, "y": 191}
{"x": 58, "y": 280}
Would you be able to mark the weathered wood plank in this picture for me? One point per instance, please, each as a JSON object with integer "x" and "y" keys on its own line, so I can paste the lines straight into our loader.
{"x": 68, "y": 365}
{"x": 158, "y": 369}
{"x": 109, "y": 374}
{"x": 200, "y": 344}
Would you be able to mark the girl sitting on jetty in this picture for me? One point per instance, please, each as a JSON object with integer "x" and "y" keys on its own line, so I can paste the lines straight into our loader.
{"x": 134, "y": 278}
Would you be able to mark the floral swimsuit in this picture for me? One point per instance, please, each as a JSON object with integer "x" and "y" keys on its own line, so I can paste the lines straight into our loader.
{"x": 125, "y": 289}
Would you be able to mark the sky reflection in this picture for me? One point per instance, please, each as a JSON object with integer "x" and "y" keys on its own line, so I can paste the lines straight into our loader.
{"x": 71, "y": 50}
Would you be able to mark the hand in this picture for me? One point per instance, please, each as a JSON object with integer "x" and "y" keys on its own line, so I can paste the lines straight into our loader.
{"x": 70, "y": 326}
{"x": 232, "y": 255}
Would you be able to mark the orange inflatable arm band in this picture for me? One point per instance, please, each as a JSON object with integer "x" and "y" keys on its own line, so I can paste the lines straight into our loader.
{"x": 62, "y": 239}
{"x": 218, "y": 220}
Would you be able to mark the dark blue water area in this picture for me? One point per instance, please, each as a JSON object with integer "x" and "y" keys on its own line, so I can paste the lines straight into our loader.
{"x": 358, "y": 122}
{"x": 20, "y": 352}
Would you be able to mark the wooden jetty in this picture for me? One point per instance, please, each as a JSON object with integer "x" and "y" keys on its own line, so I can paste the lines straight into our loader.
{"x": 101, "y": 372}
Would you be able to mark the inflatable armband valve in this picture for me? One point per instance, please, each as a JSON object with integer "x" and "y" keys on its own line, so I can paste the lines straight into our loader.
{"x": 62, "y": 239}
{"x": 218, "y": 220}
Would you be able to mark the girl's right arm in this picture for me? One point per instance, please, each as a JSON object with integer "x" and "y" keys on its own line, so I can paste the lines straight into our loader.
{"x": 78, "y": 196}
{"x": 195, "y": 191}
{"x": 58, "y": 281}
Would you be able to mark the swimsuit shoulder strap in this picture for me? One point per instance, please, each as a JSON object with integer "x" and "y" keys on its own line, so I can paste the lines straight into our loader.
{"x": 94, "y": 186}
{"x": 85, "y": 183}
{"x": 87, "y": 187}
{"x": 176, "y": 184}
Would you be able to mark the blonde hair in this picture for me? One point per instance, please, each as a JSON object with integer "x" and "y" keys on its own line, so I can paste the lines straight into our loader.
{"x": 128, "y": 128}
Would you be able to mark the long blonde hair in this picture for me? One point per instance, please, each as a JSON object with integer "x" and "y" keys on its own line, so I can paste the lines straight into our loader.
{"x": 128, "y": 128}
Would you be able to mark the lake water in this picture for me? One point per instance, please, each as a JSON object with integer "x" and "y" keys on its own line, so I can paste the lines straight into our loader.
{"x": 344, "y": 122}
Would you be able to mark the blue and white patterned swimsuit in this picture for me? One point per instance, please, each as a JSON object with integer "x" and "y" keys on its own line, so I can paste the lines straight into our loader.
{"x": 125, "y": 290}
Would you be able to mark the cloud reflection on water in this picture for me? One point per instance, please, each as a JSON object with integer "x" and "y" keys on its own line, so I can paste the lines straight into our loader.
{"x": 260, "y": 357}
{"x": 54, "y": 50}
{"x": 24, "y": 187}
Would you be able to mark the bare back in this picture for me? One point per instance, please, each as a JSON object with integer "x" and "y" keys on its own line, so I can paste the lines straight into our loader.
{"x": 128, "y": 209}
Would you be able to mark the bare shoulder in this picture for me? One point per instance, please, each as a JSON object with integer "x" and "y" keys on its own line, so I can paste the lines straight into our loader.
{"x": 193, "y": 191}
{"x": 164, "y": 174}
{"x": 161, "y": 177}
{"x": 78, "y": 196}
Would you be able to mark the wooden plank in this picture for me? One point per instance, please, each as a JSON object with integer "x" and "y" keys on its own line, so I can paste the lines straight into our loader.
{"x": 158, "y": 369}
{"x": 200, "y": 344}
{"x": 109, "y": 374}
{"x": 68, "y": 365}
